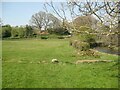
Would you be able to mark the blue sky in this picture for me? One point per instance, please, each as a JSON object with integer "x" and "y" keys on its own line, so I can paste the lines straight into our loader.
{"x": 19, "y": 13}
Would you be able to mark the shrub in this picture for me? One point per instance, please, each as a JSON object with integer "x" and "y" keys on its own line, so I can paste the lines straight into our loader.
{"x": 82, "y": 46}
{"x": 44, "y": 37}
{"x": 58, "y": 31}
{"x": 86, "y": 38}
{"x": 73, "y": 42}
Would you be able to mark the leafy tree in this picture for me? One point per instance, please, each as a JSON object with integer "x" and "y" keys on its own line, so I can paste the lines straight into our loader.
{"x": 15, "y": 32}
{"x": 21, "y": 32}
{"x": 28, "y": 31}
{"x": 6, "y": 31}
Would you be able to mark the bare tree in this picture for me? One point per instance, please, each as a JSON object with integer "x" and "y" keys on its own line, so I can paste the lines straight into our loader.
{"x": 37, "y": 19}
{"x": 60, "y": 12}
{"x": 104, "y": 11}
{"x": 108, "y": 13}
{"x": 44, "y": 20}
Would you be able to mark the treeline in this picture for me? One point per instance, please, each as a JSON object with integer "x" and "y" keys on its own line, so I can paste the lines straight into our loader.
{"x": 8, "y": 31}
{"x": 17, "y": 32}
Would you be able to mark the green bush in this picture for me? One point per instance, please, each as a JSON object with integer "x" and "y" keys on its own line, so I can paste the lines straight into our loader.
{"x": 86, "y": 38}
{"x": 44, "y": 37}
{"x": 58, "y": 31}
{"x": 83, "y": 41}
{"x": 82, "y": 46}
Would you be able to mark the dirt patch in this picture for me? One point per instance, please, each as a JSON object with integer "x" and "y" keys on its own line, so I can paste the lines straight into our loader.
{"x": 91, "y": 61}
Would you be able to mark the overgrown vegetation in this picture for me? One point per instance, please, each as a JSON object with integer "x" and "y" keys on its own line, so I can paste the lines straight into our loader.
{"x": 83, "y": 39}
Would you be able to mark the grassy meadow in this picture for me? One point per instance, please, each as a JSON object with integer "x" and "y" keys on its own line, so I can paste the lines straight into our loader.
{"x": 27, "y": 64}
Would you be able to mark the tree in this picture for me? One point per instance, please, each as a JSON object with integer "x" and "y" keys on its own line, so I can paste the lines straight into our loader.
{"x": 43, "y": 20}
{"x": 15, "y": 32}
{"x": 28, "y": 31}
{"x": 37, "y": 19}
{"x": 60, "y": 12}
{"x": 54, "y": 21}
{"x": 6, "y": 31}
{"x": 88, "y": 21}
{"x": 105, "y": 12}
{"x": 21, "y": 32}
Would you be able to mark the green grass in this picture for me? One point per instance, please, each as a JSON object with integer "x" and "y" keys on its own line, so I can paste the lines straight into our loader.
{"x": 21, "y": 67}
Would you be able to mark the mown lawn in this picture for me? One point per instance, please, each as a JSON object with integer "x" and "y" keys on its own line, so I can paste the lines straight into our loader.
{"x": 27, "y": 64}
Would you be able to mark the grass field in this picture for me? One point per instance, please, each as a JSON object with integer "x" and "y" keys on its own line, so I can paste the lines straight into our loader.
{"x": 27, "y": 64}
